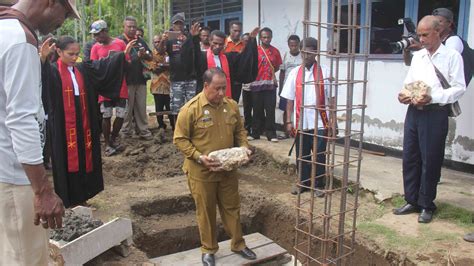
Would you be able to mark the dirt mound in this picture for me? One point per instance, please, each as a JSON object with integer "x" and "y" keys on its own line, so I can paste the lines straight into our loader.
{"x": 146, "y": 160}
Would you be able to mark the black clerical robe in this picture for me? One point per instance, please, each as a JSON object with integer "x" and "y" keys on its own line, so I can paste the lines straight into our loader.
{"x": 243, "y": 66}
{"x": 103, "y": 76}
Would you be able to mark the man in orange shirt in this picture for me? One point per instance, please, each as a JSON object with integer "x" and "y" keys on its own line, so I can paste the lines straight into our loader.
{"x": 234, "y": 44}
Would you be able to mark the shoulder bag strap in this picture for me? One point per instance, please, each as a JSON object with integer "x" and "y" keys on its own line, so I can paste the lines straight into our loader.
{"x": 441, "y": 78}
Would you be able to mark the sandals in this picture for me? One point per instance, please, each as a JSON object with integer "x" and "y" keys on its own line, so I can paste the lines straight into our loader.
{"x": 109, "y": 151}
{"x": 117, "y": 146}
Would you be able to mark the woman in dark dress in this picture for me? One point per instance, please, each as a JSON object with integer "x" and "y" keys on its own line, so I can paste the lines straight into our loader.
{"x": 71, "y": 89}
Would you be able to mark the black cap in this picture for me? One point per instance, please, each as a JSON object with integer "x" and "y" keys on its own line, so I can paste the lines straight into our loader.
{"x": 443, "y": 12}
{"x": 177, "y": 17}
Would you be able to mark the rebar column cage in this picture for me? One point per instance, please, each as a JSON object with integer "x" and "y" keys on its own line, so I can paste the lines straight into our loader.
{"x": 326, "y": 226}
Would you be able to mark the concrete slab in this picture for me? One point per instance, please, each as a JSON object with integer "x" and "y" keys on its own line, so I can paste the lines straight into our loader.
{"x": 382, "y": 175}
{"x": 264, "y": 248}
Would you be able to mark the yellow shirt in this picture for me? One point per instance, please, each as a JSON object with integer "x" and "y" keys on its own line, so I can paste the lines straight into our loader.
{"x": 201, "y": 128}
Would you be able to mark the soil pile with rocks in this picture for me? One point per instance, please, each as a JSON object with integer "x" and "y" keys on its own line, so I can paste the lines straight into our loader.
{"x": 74, "y": 226}
{"x": 145, "y": 160}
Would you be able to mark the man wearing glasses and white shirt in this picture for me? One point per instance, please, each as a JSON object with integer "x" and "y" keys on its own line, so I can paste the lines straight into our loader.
{"x": 426, "y": 121}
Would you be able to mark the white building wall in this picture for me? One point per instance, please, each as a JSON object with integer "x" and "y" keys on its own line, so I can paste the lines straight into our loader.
{"x": 384, "y": 115}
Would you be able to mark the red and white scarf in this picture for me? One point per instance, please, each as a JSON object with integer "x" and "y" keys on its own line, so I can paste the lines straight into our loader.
{"x": 319, "y": 84}
{"x": 71, "y": 121}
{"x": 211, "y": 63}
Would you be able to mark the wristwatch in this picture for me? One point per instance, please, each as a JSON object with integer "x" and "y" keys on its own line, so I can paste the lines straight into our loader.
{"x": 199, "y": 161}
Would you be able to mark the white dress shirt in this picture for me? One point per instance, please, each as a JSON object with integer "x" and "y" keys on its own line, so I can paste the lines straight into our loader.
{"x": 450, "y": 64}
{"x": 289, "y": 92}
{"x": 218, "y": 61}
{"x": 454, "y": 42}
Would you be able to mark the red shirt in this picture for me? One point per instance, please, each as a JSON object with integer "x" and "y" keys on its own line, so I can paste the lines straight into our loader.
{"x": 99, "y": 51}
{"x": 265, "y": 71}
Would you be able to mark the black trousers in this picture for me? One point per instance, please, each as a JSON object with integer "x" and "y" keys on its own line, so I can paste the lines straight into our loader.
{"x": 307, "y": 154}
{"x": 247, "y": 104}
{"x": 264, "y": 103}
{"x": 236, "y": 90}
{"x": 423, "y": 153}
{"x": 162, "y": 103}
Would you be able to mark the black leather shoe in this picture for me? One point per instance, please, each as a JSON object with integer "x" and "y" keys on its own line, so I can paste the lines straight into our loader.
{"x": 208, "y": 259}
{"x": 247, "y": 253}
{"x": 425, "y": 216}
{"x": 406, "y": 209}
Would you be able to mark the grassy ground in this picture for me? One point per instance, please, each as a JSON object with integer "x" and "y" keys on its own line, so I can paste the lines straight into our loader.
{"x": 393, "y": 240}
{"x": 445, "y": 211}
{"x": 442, "y": 236}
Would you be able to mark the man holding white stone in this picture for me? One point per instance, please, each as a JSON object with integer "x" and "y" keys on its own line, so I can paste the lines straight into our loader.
{"x": 426, "y": 122}
{"x": 207, "y": 123}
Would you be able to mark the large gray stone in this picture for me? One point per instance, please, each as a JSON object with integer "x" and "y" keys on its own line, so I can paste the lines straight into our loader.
{"x": 230, "y": 159}
{"x": 416, "y": 89}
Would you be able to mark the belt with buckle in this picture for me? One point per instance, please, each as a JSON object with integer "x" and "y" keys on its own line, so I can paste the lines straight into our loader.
{"x": 430, "y": 107}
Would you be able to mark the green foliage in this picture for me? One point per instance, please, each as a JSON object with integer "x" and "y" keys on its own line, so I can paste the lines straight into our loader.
{"x": 150, "y": 100}
{"x": 114, "y": 12}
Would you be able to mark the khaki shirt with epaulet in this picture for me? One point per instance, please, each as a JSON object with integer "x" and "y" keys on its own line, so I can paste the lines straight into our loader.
{"x": 201, "y": 128}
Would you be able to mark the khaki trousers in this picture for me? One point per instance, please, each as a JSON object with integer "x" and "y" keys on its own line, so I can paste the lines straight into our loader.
{"x": 136, "y": 111}
{"x": 21, "y": 242}
{"x": 224, "y": 194}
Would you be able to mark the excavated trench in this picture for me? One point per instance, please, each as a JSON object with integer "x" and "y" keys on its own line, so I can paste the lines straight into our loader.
{"x": 167, "y": 225}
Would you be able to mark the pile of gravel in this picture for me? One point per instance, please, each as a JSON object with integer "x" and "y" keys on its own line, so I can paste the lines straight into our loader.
{"x": 74, "y": 226}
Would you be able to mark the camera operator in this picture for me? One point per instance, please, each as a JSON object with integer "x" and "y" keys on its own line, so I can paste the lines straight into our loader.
{"x": 448, "y": 37}
{"x": 136, "y": 82}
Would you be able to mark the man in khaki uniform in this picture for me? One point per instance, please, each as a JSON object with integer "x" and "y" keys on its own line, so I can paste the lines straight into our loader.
{"x": 210, "y": 122}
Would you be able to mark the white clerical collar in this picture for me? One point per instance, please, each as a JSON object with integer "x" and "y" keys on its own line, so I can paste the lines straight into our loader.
{"x": 74, "y": 81}
{"x": 218, "y": 61}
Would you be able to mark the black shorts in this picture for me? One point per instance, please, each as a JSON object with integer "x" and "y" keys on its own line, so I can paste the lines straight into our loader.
{"x": 116, "y": 103}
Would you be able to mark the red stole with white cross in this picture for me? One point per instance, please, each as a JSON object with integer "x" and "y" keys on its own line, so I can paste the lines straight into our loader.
{"x": 71, "y": 120}
{"x": 321, "y": 104}
{"x": 224, "y": 66}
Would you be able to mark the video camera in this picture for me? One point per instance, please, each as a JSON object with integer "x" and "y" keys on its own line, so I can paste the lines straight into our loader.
{"x": 406, "y": 40}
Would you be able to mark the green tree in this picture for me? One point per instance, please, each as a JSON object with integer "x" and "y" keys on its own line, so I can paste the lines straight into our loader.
{"x": 113, "y": 12}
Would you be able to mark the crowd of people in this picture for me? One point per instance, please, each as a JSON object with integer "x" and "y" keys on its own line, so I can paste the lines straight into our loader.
{"x": 197, "y": 77}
